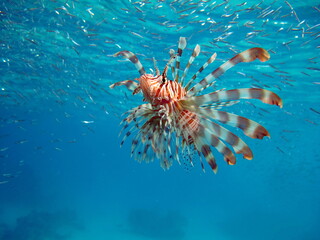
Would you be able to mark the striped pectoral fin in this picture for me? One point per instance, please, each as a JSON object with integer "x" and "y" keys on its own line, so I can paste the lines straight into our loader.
{"x": 265, "y": 96}
{"x": 251, "y": 55}
{"x": 207, "y": 153}
{"x": 249, "y": 127}
{"x": 221, "y": 147}
{"x": 202, "y": 145}
{"x": 245, "y": 56}
{"x": 217, "y": 134}
{"x": 224, "y": 134}
{"x": 133, "y": 58}
{"x": 131, "y": 85}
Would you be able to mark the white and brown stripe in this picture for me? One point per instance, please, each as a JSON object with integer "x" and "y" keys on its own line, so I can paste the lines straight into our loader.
{"x": 245, "y": 56}
{"x": 215, "y": 142}
{"x": 203, "y": 67}
{"x": 202, "y": 146}
{"x": 224, "y": 134}
{"x": 207, "y": 153}
{"x": 170, "y": 63}
{"x": 249, "y": 127}
{"x": 193, "y": 56}
{"x": 181, "y": 45}
{"x": 265, "y": 96}
{"x": 131, "y": 85}
{"x": 133, "y": 58}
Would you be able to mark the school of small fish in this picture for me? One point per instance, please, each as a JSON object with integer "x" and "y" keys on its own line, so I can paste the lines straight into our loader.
{"x": 57, "y": 56}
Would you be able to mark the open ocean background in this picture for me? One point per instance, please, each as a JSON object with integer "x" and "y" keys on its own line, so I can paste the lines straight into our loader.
{"x": 63, "y": 175}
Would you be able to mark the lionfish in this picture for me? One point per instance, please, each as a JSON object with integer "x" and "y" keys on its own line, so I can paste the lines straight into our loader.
{"x": 177, "y": 119}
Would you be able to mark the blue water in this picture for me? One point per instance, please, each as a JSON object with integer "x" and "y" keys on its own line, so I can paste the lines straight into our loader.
{"x": 62, "y": 172}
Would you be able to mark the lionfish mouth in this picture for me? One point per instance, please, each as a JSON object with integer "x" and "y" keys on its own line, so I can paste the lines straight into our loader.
{"x": 195, "y": 121}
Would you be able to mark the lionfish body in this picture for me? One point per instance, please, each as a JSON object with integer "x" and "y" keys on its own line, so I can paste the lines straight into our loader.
{"x": 177, "y": 118}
